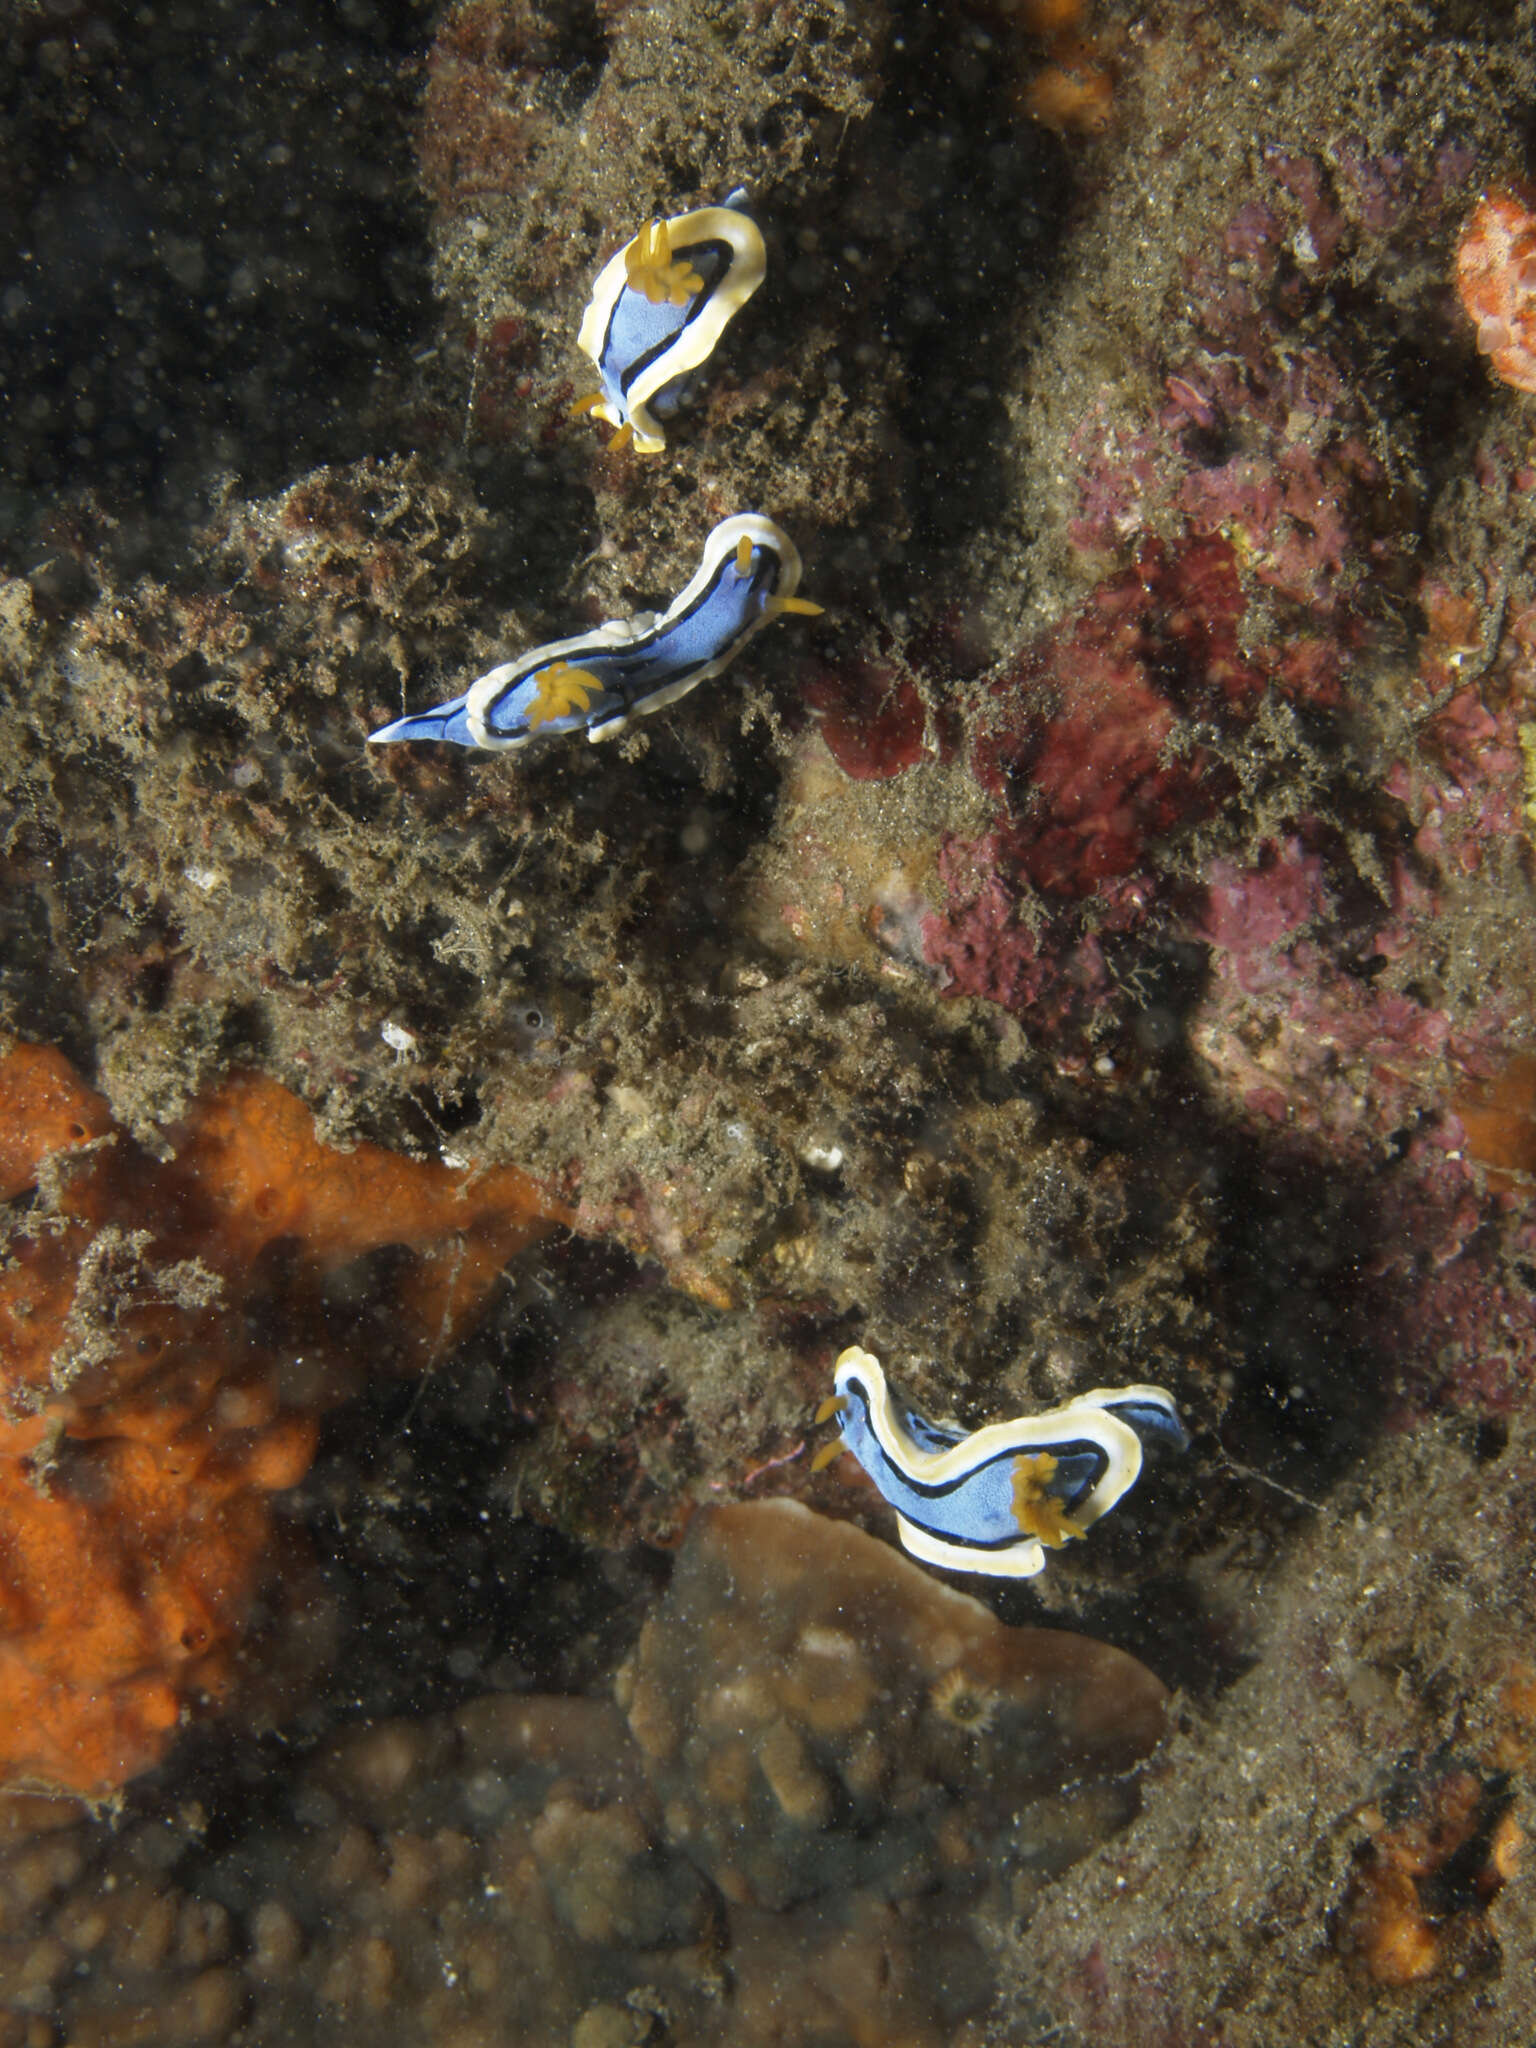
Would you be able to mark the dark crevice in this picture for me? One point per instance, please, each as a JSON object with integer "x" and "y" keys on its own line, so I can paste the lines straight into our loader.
{"x": 212, "y": 243}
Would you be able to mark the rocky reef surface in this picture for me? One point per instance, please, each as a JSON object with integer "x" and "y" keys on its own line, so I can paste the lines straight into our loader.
{"x": 1100, "y": 949}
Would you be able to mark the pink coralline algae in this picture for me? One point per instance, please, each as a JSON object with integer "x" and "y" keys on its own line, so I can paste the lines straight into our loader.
{"x": 986, "y": 943}
{"x": 1301, "y": 1022}
{"x": 1293, "y": 1027}
{"x": 1465, "y": 1330}
{"x": 1257, "y": 442}
{"x": 1263, "y": 437}
{"x": 1311, "y": 1027}
{"x": 1250, "y": 911}
{"x": 1116, "y": 746}
{"x": 1089, "y": 747}
{"x": 1472, "y": 792}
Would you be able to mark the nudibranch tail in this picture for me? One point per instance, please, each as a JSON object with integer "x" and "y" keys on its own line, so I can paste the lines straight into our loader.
{"x": 448, "y": 722}
{"x": 658, "y": 310}
{"x": 994, "y": 1499}
{"x": 595, "y": 682}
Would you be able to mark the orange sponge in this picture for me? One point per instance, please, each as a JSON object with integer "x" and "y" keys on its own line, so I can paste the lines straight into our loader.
{"x": 1500, "y": 1120}
{"x": 1496, "y": 279}
{"x": 145, "y": 1419}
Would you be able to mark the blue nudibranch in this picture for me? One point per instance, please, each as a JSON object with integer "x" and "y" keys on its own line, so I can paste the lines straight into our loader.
{"x": 658, "y": 309}
{"x": 993, "y": 1499}
{"x": 595, "y": 682}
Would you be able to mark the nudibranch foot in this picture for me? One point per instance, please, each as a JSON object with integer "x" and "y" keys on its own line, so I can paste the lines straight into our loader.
{"x": 595, "y": 682}
{"x": 995, "y": 1499}
{"x": 658, "y": 310}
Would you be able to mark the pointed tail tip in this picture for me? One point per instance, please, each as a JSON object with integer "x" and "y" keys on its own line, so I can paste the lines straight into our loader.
{"x": 416, "y": 727}
{"x": 445, "y": 722}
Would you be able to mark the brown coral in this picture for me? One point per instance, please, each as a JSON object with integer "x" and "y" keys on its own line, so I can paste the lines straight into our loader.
{"x": 796, "y": 1700}
{"x": 150, "y": 1411}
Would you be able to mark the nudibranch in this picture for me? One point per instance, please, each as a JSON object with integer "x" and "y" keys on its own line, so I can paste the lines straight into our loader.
{"x": 658, "y": 310}
{"x": 995, "y": 1499}
{"x": 595, "y": 682}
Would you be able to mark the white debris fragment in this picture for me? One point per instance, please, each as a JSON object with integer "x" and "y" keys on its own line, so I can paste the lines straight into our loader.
{"x": 825, "y": 1158}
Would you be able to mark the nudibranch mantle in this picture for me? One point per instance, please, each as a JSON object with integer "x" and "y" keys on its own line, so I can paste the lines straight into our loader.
{"x": 992, "y": 1500}
{"x": 658, "y": 309}
{"x": 595, "y": 682}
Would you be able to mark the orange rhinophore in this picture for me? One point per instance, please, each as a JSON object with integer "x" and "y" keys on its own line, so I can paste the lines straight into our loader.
{"x": 1496, "y": 277}
{"x": 169, "y": 1340}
